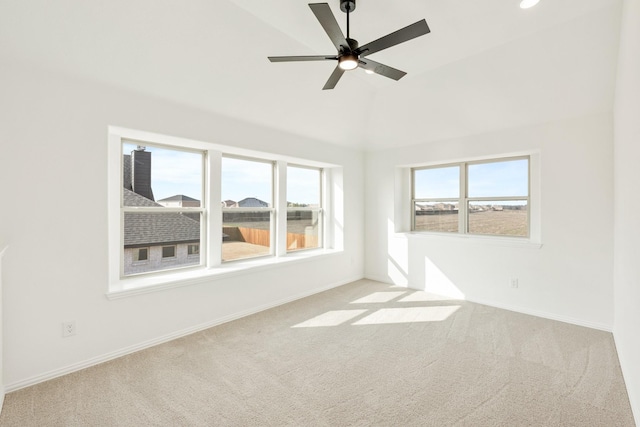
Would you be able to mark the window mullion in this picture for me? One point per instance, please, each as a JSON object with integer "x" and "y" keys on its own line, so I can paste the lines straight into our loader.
{"x": 462, "y": 201}
{"x": 280, "y": 187}
{"x": 214, "y": 209}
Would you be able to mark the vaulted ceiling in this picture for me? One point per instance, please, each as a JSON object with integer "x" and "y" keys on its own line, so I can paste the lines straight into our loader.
{"x": 486, "y": 65}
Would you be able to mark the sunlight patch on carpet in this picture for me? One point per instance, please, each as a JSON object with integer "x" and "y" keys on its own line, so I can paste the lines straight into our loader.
{"x": 408, "y": 315}
{"x": 330, "y": 318}
{"x": 378, "y": 297}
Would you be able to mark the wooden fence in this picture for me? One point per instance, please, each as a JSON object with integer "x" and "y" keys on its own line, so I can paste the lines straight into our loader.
{"x": 262, "y": 237}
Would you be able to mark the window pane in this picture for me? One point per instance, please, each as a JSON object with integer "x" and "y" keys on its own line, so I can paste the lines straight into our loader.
{"x": 245, "y": 234}
{"x": 499, "y": 179}
{"x": 167, "y": 237}
{"x": 158, "y": 177}
{"x": 433, "y": 216}
{"x": 141, "y": 254}
{"x": 303, "y": 191}
{"x": 501, "y": 218}
{"x": 302, "y": 230}
{"x": 168, "y": 251}
{"x": 246, "y": 183}
{"x": 303, "y": 187}
{"x": 437, "y": 183}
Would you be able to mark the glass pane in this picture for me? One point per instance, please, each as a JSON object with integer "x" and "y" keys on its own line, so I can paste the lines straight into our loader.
{"x": 500, "y": 218}
{"x": 303, "y": 187}
{"x": 168, "y": 251}
{"x": 437, "y": 183}
{"x": 302, "y": 230}
{"x": 433, "y": 216}
{"x": 245, "y": 234}
{"x": 154, "y": 176}
{"x": 165, "y": 235}
{"x": 246, "y": 183}
{"x": 499, "y": 179}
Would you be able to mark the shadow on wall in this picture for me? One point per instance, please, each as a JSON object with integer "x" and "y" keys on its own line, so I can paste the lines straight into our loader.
{"x": 406, "y": 267}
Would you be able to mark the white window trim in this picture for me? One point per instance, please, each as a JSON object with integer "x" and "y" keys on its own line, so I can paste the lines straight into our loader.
{"x": 211, "y": 255}
{"x": 319, "y": 210}
{"x": 404, "y": 216}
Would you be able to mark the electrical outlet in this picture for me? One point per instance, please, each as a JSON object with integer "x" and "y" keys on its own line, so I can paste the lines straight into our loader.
{"x": 513, "y": 282}
{"x": 68, "y": 328}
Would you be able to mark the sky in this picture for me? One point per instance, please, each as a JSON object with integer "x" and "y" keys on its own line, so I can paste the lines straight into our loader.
{"x": 175, "y": 172}
{"x": 495, "y": 179}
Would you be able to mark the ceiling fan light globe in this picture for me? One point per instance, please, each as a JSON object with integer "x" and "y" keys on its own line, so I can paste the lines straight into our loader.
{"x": 348, "y": 62}
{"x": 526, "y": 4}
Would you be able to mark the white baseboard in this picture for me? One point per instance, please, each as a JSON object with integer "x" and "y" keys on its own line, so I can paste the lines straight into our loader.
{"x": 165, "y": 338}
{"x": 545, "y": 315}
{"x": 537, "y": 313}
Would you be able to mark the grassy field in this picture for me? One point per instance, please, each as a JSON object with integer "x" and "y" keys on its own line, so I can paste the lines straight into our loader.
{"x": 503, "y": 223}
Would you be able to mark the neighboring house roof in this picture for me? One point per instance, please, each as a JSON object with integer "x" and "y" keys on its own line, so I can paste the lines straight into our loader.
{"x": 252, "y": 202}
{"x": 150, "y": 229}
{"x": 229, "y": 203}
{"x": 179, "y": 198}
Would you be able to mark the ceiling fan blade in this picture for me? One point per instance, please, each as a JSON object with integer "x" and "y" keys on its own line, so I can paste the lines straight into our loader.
{"x": 333, "y": 78}
{"x": 412, "y": 31}
{"x": 383, "y": 70}
{"x": 301, "y": 58}
{"x": 329, "y": 23}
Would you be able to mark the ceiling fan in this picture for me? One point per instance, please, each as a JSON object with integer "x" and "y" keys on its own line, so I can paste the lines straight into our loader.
{"x": 350, "y": 55}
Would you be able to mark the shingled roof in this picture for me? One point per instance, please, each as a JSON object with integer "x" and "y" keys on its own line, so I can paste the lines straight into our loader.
{"x": 151, "y": 229}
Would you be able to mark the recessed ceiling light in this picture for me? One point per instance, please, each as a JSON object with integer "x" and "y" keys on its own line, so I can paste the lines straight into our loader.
{"x": 369, "y": 72}
{"x": 526, "y": 4}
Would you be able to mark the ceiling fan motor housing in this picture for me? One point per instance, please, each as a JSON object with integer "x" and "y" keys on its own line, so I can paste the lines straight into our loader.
{"x": 347, "y": 5}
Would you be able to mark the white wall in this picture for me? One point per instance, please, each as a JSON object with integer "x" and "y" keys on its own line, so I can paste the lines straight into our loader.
{"x": 568, "y": 278}
{"x": 53, "y": 175}
{"x": 3, "y": 250}
{"x": 627, "y": 202}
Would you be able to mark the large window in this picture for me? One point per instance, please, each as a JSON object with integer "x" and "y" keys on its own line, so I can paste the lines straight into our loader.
{"x": 487, "y": 198}
{"x": 304, "y": 209}
{"x": 179, "y": 206}
{"x": 247, "y": 208}
{"x": 162, "y": 189}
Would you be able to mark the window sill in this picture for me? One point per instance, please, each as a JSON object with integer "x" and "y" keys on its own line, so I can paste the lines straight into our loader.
{"x": 512, "y": 242}
{"x": 145, "y": 284}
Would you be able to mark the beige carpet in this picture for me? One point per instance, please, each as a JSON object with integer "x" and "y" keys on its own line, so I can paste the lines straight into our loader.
{"x": 362, "y": 354}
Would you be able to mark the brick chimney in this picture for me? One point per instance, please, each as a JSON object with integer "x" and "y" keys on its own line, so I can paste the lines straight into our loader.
{"x": 141, "y": 172}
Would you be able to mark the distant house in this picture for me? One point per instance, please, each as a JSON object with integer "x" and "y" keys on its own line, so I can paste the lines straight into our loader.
{"x": 229, "y": 204}
{"x": 181, "y": 201}
{"x": 252, "y": 202}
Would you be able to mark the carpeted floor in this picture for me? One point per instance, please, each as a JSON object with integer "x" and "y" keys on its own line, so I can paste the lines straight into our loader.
{"x": 362, "y": 354}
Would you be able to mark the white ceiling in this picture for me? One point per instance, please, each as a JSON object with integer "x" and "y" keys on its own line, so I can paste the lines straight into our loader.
{"x": 486, "y": 65}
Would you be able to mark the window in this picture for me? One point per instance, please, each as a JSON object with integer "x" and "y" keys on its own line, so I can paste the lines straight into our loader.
{"x": 140, "y": 254}
{"x": 304, "y": 210}
{"x": 181, "y": 209}
{"x": 487, "y": 198}
{"x": 168, "y": 252}
{"x": 247, "y": 215}
{"x": 161, "y": 194}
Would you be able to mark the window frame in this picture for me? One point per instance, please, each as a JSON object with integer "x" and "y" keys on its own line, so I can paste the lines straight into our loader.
{"x": 211, "y": 265}
{"x": 157, "y": 209}
{"x": 464, "y": 200}
{"x": 271, "y": 209}
{"x": 319, "y": 210}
